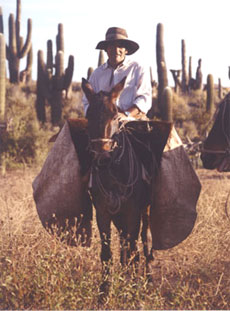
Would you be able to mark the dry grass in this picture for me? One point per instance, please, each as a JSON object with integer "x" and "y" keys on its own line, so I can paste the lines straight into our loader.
{"x": 37, "y": 272}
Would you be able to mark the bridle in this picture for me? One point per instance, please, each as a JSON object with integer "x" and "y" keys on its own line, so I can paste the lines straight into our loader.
{"x": 117, "y": 126}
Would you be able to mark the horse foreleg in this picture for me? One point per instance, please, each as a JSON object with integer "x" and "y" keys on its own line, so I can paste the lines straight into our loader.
{"x": 103, "y": 223}
{"x": 144, "y": 237}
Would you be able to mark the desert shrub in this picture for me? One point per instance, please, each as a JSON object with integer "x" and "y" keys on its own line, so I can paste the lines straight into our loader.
{"x": 26, "y": 140}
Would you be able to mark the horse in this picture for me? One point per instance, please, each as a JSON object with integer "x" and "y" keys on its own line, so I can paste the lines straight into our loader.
{"x": 216, "y": 148}
{"x": 126, "y": 158}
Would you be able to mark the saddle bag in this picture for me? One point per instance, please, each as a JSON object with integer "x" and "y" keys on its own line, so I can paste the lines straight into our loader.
{"x": 175, "y": 195}
{"x": 60, "y": 193}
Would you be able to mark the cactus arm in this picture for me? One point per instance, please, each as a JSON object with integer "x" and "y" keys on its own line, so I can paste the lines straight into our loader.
{"x": 25, "y": 49}
{"x": 69, "y": 73}
{"x": 12, "y": 36}
{"x": 49, "y": 58}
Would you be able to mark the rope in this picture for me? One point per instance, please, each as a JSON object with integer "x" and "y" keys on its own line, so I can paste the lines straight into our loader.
{"x": 121, "y": 190}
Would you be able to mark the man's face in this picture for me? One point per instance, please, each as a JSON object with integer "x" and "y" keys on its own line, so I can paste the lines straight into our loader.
{"x": 116, "y": 53}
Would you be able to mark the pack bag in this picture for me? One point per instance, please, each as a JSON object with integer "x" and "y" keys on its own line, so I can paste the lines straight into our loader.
{"x": 175, "y": 195}
{"x": 60, "y": 193}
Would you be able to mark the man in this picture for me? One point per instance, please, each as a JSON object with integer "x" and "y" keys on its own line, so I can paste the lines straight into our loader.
{"x": 136, "y": 98}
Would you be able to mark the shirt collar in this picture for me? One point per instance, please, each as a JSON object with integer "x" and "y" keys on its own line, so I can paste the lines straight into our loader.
{"x": 106, "y": 64}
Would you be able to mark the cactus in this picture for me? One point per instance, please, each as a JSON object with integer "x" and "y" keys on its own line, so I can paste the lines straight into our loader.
{"x": 190, "y": 69}
{"x": 26, "y": 74}
{"x": 184, "y": 81}
{"x": 210, "y": 94}
{"x": 101, "y": 58}
{"x": 53, "y": 87}
{"x": 2, "y": 78}
{"x": 89, "y": 72}
{"x": 220, "y": 91}
{"x": 167, "y": 105}
{"x": 1, "y": 21}
{"x": 16, "y": 49}
{"x": 2, "y": 100}
{"x": 161, "y": 65}
{"x": 176, "y": 77}
{"x": 199, "y": 76}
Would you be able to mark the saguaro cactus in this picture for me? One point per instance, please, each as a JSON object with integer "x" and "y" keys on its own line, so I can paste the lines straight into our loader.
{"x": 53, "y": 87}
{"x": 161, "y": 65}
{"x": 167, "y": 114}
{"x": 2, "y": 78}
{"x": 184, "y": 81}
{"x": 199, "y": 76}
{"x": 210, "y": 94}
{"x": 2, "y": 99}
{"x": 101, "y": 58}
{"x": 16, "y": 49}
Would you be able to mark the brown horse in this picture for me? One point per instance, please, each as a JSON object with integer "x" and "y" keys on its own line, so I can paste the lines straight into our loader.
{"x": 216, "y": 148}
{"x": 126, "y": 157}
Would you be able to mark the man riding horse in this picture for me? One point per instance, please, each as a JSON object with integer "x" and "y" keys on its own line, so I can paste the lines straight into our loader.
{"x": 136, "y": 98}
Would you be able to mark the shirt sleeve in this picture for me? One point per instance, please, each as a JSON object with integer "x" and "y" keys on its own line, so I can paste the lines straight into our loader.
{"x": 143, "y": 96}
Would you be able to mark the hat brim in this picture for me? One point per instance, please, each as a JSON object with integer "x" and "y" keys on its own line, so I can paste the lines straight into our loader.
{"x": 130, "y": 45}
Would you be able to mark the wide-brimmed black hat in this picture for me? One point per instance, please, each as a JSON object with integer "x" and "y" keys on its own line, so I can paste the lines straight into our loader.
{"x": 118, "y": 34}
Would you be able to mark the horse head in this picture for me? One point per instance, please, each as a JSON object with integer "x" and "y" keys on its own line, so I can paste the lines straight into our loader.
{"x": 216, "y": 147}
{"x": 102, "y": 114}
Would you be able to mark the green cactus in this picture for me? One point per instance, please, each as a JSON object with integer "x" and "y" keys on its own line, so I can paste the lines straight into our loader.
{"x": 184, "y": 82}
{"x": 167, "y": 100}
{"x": 161, "y": 65}
{"x": 53, "y": 87}
{"x": 16, "y": 49}
{"x": 210, "y": 94}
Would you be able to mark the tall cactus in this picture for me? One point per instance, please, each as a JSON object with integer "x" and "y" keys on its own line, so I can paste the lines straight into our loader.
{"x": 199, "y": 76}
{"x": 101, "y": 58}
{"x": 184, "y": 81}
{"x": 2, "y": 78}
{"x": 161, "y": 65}
{"x": 210, "y": 94}
{"x": 2, "y": 99}
{"x": 16, "y": 48}
{"x": 89, "y": 72}
{"x": 53, "y": 86}
{"x": 167, "y": 114}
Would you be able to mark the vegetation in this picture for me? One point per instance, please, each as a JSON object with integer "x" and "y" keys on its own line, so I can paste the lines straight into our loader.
{"x": 38, "y": 272}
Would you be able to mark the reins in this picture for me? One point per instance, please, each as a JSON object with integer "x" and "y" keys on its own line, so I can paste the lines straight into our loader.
{"x": 121, "y": 190}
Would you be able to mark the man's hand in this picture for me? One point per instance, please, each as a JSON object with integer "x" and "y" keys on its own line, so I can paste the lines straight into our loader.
{"x": 135, "y": 112}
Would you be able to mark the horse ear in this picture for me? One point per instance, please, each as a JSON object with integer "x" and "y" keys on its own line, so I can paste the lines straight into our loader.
{"x": 116, "y": 90}
{"x": 87, "y": 89}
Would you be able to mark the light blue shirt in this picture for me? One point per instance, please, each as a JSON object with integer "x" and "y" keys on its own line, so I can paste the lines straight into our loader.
{"x": 137, "y": 90}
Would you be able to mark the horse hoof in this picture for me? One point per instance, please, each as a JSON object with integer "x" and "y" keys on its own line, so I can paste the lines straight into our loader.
{"x": 104, "y": 291}
{"x": 149, "y": 278}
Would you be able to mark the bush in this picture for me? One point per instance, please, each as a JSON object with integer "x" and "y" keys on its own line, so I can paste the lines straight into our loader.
{"x": 27, "y": 141}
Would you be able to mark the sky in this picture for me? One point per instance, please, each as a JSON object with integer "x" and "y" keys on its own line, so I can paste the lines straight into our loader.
{"x": 204, "y": 25}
